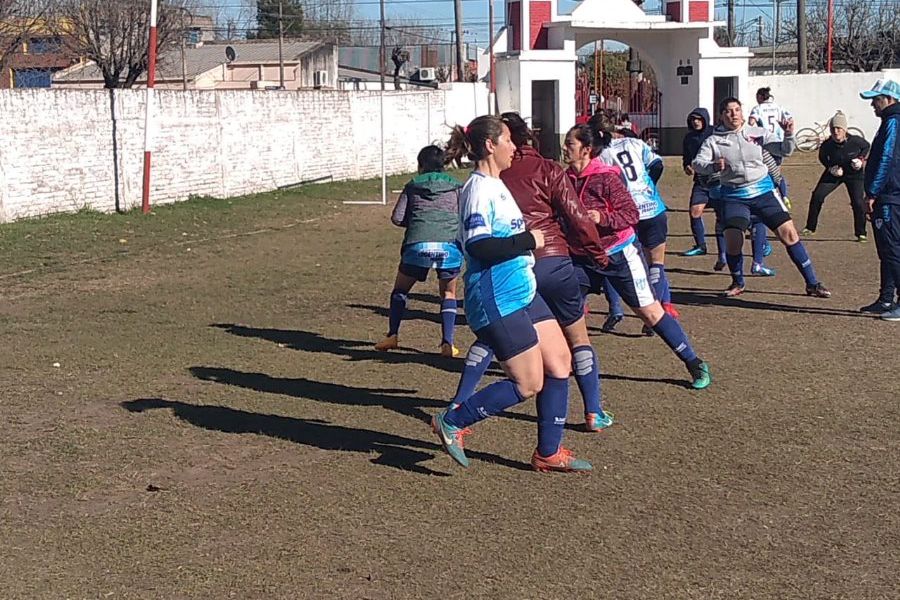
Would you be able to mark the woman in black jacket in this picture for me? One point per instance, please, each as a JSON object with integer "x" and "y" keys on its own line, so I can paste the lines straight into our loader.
{"x": 844, "y": 158}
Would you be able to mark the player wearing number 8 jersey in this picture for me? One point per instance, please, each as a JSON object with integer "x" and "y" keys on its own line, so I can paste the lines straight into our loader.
{"x": 642, "y": 168}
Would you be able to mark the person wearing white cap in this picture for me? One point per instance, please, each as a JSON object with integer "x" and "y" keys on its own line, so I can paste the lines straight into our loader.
{"x": 883, "y": 194}
{"x": 843, "y": 156}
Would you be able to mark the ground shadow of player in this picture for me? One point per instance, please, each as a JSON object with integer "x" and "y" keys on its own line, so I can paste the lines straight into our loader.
{"x": 699, "y": 297}
{"x": 393, "y": 450}
{"x": 410, "y": 314}
{"x": 353, "y": 350}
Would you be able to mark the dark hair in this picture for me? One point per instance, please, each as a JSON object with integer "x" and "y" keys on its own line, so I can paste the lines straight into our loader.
{"x": 724, "y": 103}
{"x": 602, "y": 126}
{"x": 471, "y": 141}
{"x": 431, "y": 159}
{"x": 518, "y": 129}
{"x": 765, "y": 92}
{"x": 586, "y": 135}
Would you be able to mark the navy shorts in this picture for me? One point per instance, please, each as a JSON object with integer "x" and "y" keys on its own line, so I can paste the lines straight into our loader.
{"x": 421, "y": 273}
{"x": 653, "y": 232}
{"x": 768, "y": 208}
{"x": 557, "y": 284}
{"x": 515, "y": 333}
{"x": 626, "y": 272}
{"x": 699, "y": 195}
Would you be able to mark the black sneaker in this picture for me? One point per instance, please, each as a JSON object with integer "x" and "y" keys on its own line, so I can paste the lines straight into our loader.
{"x": 818, "y": 291}
{"x": 609, "y": 325}
{"x": 877, "y": 307}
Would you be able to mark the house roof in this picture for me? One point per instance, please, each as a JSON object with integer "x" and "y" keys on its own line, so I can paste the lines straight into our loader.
{"x": 201, "y": 59}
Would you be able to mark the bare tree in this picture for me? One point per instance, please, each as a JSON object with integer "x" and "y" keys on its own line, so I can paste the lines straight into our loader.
{"x": 18, "y": 19}
{"x": 114, "y": 34}
{"x": 866, "y": 35}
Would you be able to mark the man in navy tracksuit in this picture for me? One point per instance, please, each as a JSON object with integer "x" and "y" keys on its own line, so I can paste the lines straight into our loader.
{"x": 883, "y": 194}
{"x": 699, "y": 128}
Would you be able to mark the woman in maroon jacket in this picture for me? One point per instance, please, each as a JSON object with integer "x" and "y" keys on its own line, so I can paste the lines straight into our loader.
{"x": 602, "y": 192}
{"x": 549, "y": 204}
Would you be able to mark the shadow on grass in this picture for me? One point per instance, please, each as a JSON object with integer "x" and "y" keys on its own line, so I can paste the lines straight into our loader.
{"x": 393, "y": 450}
{"x": 353, "y": 350}
{"x": 697, "y": 297}
{"x": 411, "y": 314}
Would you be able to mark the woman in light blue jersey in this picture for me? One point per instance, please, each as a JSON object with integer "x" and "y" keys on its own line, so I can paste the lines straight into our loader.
{"x": 502, "y": 306}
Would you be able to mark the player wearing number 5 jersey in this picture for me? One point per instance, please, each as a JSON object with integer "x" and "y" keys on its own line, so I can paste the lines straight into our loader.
{"x": 642, "y": 168}
{"x": 769, "y": 115}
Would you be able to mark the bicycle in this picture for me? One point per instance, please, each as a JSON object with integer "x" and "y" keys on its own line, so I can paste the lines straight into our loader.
{"x": 810, "y": 139}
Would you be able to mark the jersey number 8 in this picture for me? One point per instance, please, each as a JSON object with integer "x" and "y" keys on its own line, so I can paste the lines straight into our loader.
{"x": 627, "y": 165}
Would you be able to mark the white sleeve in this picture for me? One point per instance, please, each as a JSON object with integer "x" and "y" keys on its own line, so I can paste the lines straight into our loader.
{"x": 477, "y": 214}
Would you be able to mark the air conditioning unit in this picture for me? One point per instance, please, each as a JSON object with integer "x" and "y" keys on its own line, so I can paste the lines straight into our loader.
{"x": 320, "y": 79}
{"x": 426, "y": 74}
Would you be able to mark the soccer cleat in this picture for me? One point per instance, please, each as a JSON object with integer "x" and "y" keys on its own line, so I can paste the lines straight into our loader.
{"x": 701, "y": 378}
{"x": 808, "y": 232}
{"x": 389, "y": 343}
{"x": 451, "y": 438}
{"x": 818, "y": 291}
{"x": 609, "y": 325}
{"x": 862, "y": 239}
{"x": 597, "y": 421}
{"x": 448, "y": 350}
{"x": 891, "y": 315}
{"x": 878, "y": 307}
{"x": 767, "y": 251}
{"x": 735, "y": 289}
{"x": 761, "y": 270}
{"x": 671, "y": 310}
{"x": 719, "y": 266}
{"x": 647, "y": 330}
{"x": 563, "y": 461}
{"x": 695, "y": 251}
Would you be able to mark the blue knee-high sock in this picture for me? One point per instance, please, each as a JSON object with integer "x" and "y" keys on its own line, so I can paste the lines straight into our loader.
{"x": 478, "y": 359}
{"x": 448, "y": 319}
{"x": 759, "y": 243}
{"x": 699, "y": 231}
{"x": 671, "y": 332}
{"x": 736, "y": 266}
{"x": 398, "y": 307}
{"x": 490, "y": 401}
{"x": 586, "y": 367}
{"x": 614, "y": 299}
{"x": 552, "y": 407}
{"x": 783, "y": 187}
{"x": 720, "y": 240}
{"x": 660, "y": 283}
{"x": 803, "y": 262}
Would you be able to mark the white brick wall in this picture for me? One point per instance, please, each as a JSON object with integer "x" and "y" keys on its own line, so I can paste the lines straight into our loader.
{"x": 56, "y": 146}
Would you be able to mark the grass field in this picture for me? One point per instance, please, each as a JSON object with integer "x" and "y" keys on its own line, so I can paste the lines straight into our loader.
{"x": 191, "y": 408}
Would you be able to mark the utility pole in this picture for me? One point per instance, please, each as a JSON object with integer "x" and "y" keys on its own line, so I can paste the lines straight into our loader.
{"x": 802, "y": 65}
{"x": 493, "y": 95}
{"x": 458, "y": 16}
{"x": 731, "y": 22}
{"x": 381, "y": 60}
{"x": 830, "y": 49}
{"x": 759, "y": 33}
{"x": 281, "y": 44}
{"x": 183, "y": 59}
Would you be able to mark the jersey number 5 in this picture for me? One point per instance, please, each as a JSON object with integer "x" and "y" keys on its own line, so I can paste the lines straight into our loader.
{"x": 627, "y": 165}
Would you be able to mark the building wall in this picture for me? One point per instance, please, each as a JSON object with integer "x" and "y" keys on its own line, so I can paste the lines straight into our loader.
{"x": 56, "y": 152}
{"x": 816, "y": 97}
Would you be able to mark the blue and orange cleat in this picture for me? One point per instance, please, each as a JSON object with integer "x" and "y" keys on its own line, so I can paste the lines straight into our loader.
{"x": 448, "y": 350}
{"x": 761, "y": 270}
{"x": 563, "y": 462}
{"x": 594, "y": 422}
{"x": 451, "y": 438}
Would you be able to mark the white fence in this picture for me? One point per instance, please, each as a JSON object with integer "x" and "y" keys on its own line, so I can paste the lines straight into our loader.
{"x": 62, "y": 150}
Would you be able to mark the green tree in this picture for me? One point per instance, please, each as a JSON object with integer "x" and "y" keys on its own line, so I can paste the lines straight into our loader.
{"x": 267, "y": 18}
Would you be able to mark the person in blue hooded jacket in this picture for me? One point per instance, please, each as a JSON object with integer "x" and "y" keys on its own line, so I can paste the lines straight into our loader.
{"x": 699, "y": 128}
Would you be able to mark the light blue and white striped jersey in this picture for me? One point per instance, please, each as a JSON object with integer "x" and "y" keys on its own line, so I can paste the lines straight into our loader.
{"x": 487, "y": 209}
{"x": 769, "y": 115}
{"x": 634, "y": 157}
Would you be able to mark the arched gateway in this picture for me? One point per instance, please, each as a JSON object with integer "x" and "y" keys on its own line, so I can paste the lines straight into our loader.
{"x": 535, "y": 59}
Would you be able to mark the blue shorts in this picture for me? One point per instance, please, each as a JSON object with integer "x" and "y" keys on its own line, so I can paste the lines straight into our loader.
{"x": 515, "y": 333}
{"x": 652, "y": 232}
{"x": 557, "y": 284}
{"x": 768, "y": 208}
{"x": 421, "y": 273}
{"x": 626, "y": 272}
{"x": 418, "y": 258}
{"x": 699, "y": 195}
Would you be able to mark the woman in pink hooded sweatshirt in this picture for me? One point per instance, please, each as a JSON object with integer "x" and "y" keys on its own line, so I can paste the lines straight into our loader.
{"x": 602, "y": 190}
